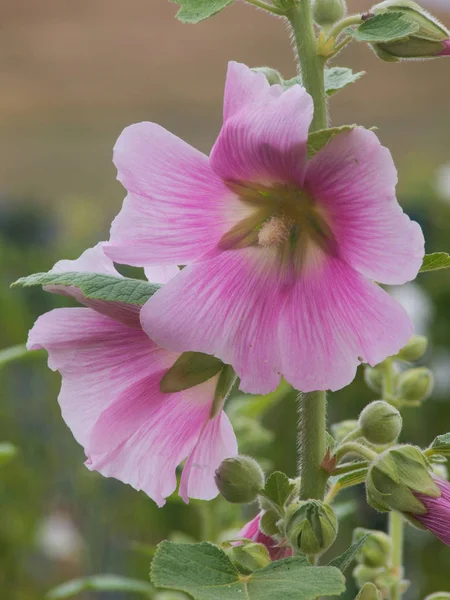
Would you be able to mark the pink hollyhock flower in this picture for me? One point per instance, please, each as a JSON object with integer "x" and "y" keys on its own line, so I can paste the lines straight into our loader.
{"x": 111, "y": 398}
{"x": 437, "y": 517}
{"x": 251, "y": 531}
{"x": 280, "y": 250}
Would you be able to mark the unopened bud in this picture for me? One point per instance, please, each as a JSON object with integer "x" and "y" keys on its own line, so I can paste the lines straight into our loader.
{"x": 374, "y": 379}
{"x": 376, "y": 550}
{"x": 414, "y": 349}
{"x": 380, "y": 423}
{"x": 328, "y": 12}
{"x": 269, "y": 523}
{"x": 415, "y": 385}
{"x": 363, "y": 574}
{"x": 430, "y": 38}
{"x": 311, "y": 527}
{"x": 369, "y": 592}
{"x": 249, "y": 557}
{"x": 343, "y": 429}
{"x": 239, "y": 479}
{"x": 396, "y": 477}
{"x": 439, "y": 596}
{"x": 272, "y": 75}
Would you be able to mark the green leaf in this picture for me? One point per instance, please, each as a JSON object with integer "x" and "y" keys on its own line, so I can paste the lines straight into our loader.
{"x": 435, "y": 261}
{"x": 95, "y": 286}
{"x": 278, "y": 488}
{"x": 441, "y": 445}
{"x": 206, "y": 573}
{"x": 320, "y": 138}
{"x": 189, "y": 370}
{"x": 349, "y": 479}
{"x": 7, "y": 452}
{"x": 101, "y": 583}
{"x": 193, "y": 11}
{"x": 337, "y": 78}
{"x": 343, "y": 561}
{"x": 384, "y": 27}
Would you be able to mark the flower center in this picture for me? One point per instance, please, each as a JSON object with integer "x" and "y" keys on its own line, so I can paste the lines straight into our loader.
{"x": 283, "y": 218}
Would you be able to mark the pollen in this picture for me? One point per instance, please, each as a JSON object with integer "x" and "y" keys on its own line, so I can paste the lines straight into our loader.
{"x": 274, "y": 231}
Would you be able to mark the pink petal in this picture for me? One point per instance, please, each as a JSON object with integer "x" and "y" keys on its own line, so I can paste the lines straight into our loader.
{"x": 437, "y": 517}
{"x": 354, "y": 179}
{"x": 98, "y": 358}
{"x": 176, "y": 208}
{"x": 216, "y": 443}
{"x": 251, "y": 531}
{"x": 446, "y": 50}
{"x": 334, "y": 319}
{"x": 94, "y": 260}
{"x": 144, "y": 435}
{"x": 244, "y": 87}
{"x": 264, "y": 136}
{"x": 244, "y": 308}
{"x": 161, "y": 274}
{"x": 228, "y": 305}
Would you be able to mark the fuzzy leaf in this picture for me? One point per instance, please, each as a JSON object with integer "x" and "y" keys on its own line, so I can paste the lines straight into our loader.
{"x": 441, "y": 445}
{"x": 337, "y": 78}
{"x": 189, "y": 370}
{"x": 206, "y": 573}
{"x": 194, "y": 11}
{"x": 101, "y": 583}
{"x": 350, "y": 479}
{"x": 343, "y": 561}
{"x": 384, "y": 27}
{"x": 320, "y": 138}
{"x": 278, "y": 488}
{"x": 435, "y": 261}
{"x": 95, "y": 286}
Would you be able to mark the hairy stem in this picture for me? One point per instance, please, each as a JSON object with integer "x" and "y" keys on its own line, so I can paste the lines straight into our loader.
{"x": 396, "y": 531}
{"x": 347, "y": 22}
{"x": 311, "y": 64}
{"x": 312, "y": 444}
{"x": 265, "y": 6}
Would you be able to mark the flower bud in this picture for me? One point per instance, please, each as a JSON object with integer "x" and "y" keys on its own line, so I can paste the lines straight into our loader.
{"x": 439, "y": 596}
{"x": 430, "y": 39}
{"x": 415, "y": 385}
{"x": 374, "y": 379}
{"x": 311, "y": 527}
{"x": 376, "y": 550}
{"x": 363, "y": 574}
{"x": 249, "y": 557}
{"x": 396, "y": 478}
{"x": 369, "y": 592}
{"x": 414, "y": 349}
{"x": 380, "y": 423}
{"x": 342, "y": 429}
{"x": 239, "y": 479}
{"x": 269, "y": 523}
{"x": 328, "y": 12}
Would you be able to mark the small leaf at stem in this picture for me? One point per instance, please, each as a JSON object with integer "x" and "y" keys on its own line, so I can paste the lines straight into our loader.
{"x": 337, "y": 78}
{"x": 194, "y": 11}
{"x": 441, "y": 445}
{"x": 189, "y": 370}
{"x": 435, "y": 261}
{"x": 278, "y": 488}
{"x": 319, "y": 139}
{"x": 343, "y": 561}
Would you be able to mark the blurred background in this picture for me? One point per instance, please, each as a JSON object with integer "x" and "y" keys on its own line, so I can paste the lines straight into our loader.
{"x": 72, "y": 76}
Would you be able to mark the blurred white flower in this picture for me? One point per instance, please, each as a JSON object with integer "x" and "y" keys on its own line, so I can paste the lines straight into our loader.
{"x": 58, "y": 538}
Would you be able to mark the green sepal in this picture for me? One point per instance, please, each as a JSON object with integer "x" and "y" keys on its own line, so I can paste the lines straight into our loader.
{"x": 441, "y": 445}
{"x": 369, "y": 591}
{"x": 227, "y": 379}
{"x": 343, "y": 561}
{"x": 189, "y": 370}
{"x": 384, "y": 27}
{"x": 194, "y": 11}
{"x": 319, "y": 139}
{"x": 435, "y": 262}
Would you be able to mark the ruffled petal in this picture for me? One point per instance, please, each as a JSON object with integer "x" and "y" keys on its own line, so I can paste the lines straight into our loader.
{"x": 176, "y": 208}
{"x": 354, "y": 178}
{"x": 264, "y": 136}
{"x": 216, "y": 443}
{"x": 334, "y": 319}
{"x": 229, "y": 305}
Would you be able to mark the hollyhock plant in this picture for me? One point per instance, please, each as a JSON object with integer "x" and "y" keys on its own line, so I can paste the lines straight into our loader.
{"x": 437, "y": 517}
{"x": 112, "y": 401}
{"x": 281, "y": 250}
{"x": 251, "y": 531}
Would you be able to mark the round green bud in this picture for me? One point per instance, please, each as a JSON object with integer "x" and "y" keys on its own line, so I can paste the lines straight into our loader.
{"x": 342, "y": 429}
{"x": 439, "y": 596}
{"x": 249, "y": 557}
{"x": 363, "y": 574}
{"x": 374, "y": 379}
{"x": 429, "y": 39}
{"x": 272, "y": 75}
{"x": 377, "y": 549}
{"x": 380, "y": 423}
{"x": 415, "y": 385}
{"x": 269, "y": 523}
{"x": 311, "y": 527}
{"x": 328, "y": 12}
{"x": 239, "y": 479}
{"x": 369, "y": 591}
{"x": 396, "y": 476}
{"x": 414, "y": 349}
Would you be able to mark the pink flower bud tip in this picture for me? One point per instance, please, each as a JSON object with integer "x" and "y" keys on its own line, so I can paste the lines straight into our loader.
{"x": 437, "y": 517}
{"x": 446, "y": 50}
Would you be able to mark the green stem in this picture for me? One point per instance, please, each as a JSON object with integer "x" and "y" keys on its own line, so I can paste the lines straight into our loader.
{"x": 347, "y": 22}
{"x": 312, "y": 444}
{"x": 355, "y": 448}
{"x": 396, "y": 531}
{"x": 268, "y": 7}
{"x": 311, "y": 65}
{"x": 12, "y": 353}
